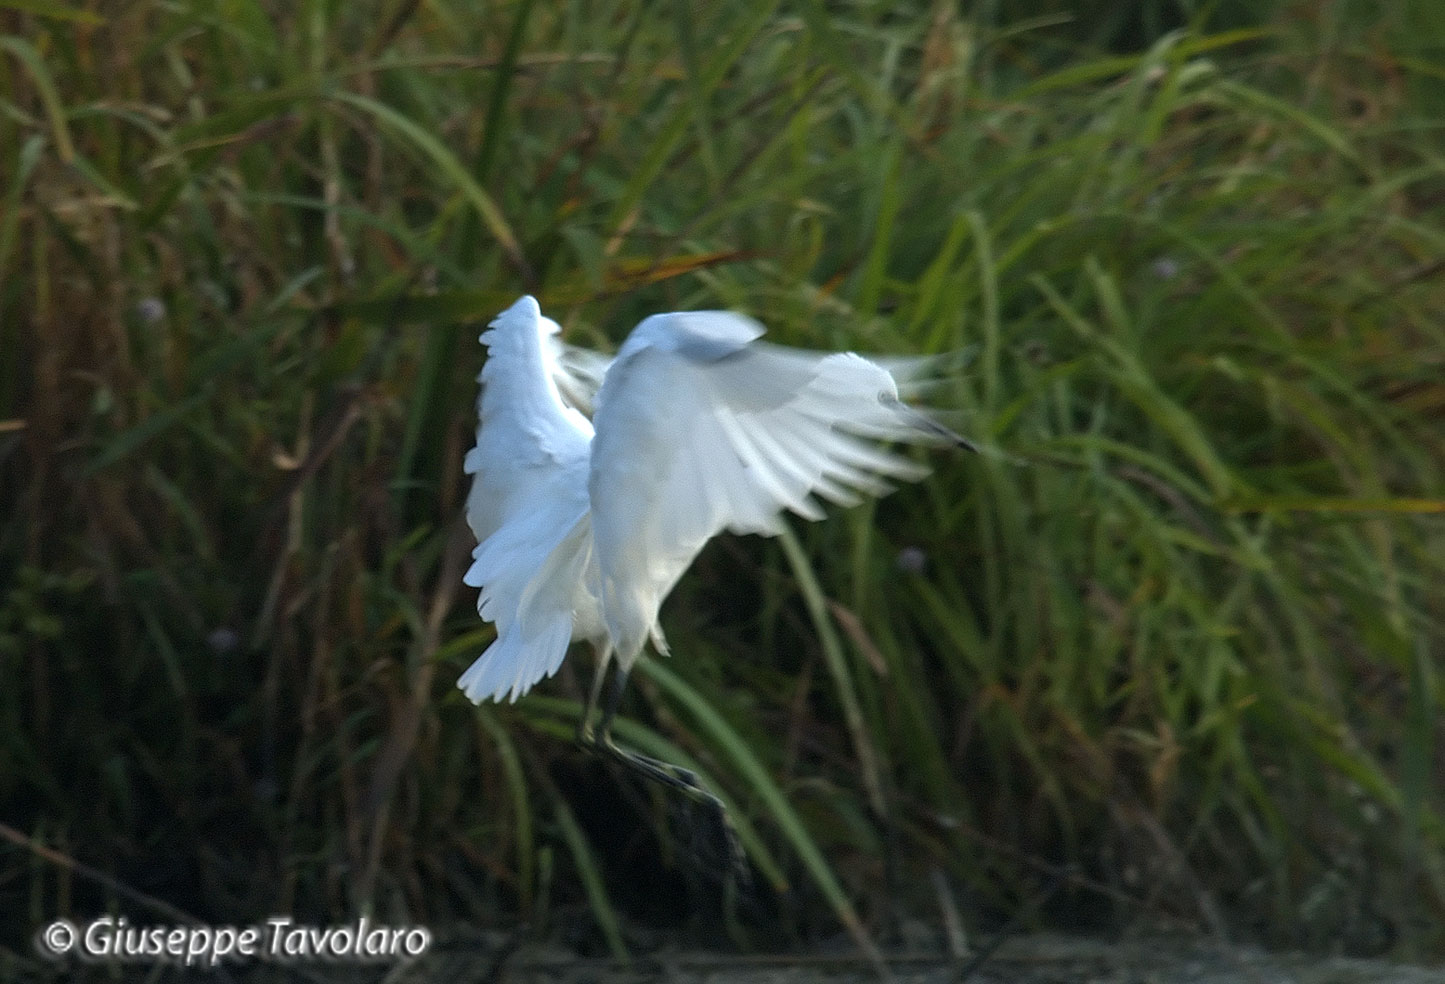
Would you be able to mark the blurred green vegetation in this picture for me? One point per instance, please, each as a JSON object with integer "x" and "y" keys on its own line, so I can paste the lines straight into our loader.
{"x": 1184, "y": 634}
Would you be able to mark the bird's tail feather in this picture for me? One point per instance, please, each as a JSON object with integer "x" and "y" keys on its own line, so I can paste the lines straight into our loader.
{"x": 533, "y": 634}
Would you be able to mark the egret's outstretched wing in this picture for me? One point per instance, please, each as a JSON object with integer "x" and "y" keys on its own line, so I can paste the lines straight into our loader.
{"x": 525, "y": 433}
{"x": 528, "y": 508}
{"x": 701, "y": 428}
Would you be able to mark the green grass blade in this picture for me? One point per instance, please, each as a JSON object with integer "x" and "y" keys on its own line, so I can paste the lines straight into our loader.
{"x": 591, "y": 875}
{"x": 26, "y": 54}
{"x": 838, "y": 668}
{"x": 449, "y": 166}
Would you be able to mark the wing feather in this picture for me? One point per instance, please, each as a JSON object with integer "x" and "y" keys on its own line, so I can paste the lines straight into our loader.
{"x": 528, "y": 508}
{"x": 526, "y": 435}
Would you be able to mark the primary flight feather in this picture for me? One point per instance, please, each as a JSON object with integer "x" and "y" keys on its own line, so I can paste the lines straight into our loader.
{"x": 583, "y": 527}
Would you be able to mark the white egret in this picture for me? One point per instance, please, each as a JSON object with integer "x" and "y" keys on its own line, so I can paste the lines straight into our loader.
{"x": 583, "y": 527}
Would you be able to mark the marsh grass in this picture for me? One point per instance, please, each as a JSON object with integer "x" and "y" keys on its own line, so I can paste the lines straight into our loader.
{"x": 1180, "y": 631}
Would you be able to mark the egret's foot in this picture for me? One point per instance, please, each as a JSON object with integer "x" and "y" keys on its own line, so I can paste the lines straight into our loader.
{"x": 713, "y": 845}
{"x": 737, "y": 875}
{"x": 718, "y": 824}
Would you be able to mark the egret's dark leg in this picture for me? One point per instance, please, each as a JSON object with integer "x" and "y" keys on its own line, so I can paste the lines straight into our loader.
{"x": 655, "y": 769}
{"x": 675, "y": 776}
{"x": 585, "y": 735}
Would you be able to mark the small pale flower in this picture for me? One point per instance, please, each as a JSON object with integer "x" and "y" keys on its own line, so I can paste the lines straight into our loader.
{"x": 150, "y": 309}
{"x": 912, "y": 560}
{"x": 223, "y": 640}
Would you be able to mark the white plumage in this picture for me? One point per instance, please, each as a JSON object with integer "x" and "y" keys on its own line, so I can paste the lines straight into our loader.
{"x": 584, "y": 527}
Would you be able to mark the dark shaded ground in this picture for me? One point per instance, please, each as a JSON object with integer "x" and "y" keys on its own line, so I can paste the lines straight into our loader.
{"x": 1026, "y": 960}
{"x": 1037, "y": 959}
{"x": 1041, "y": 959}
